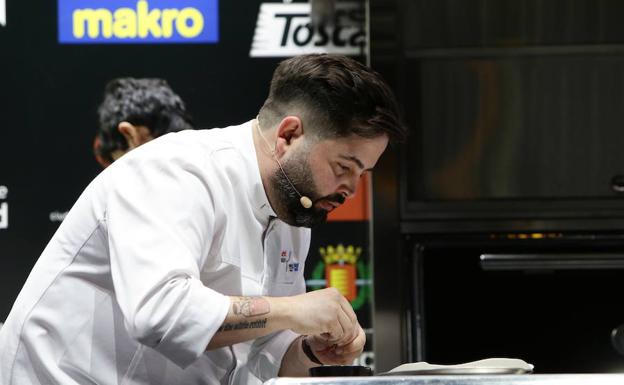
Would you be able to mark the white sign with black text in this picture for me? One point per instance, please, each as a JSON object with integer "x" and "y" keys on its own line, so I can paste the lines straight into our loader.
{"x": 4, "y": 208}
{"x": 2, "y": 13}
{"x": 285, "y": 29}
{"x": 58, "y": 216}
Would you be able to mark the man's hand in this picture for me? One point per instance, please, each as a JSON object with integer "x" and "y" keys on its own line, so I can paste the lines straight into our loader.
{"x": 328, "y": 348}
{"x": 335, "y": 354}
{"x": 325, "y": 316}
{"x": 324, "y": 313}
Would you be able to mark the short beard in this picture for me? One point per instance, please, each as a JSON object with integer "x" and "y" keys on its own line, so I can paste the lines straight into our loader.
{"x": 290, "y": 209}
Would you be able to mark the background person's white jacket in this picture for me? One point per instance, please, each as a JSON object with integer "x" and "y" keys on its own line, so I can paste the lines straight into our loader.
{"x": 133, "y": 285}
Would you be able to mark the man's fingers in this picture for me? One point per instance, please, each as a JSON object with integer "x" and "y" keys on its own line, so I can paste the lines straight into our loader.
{"x": 355, "y": 332}
{"x": 337, "y": 331}
{"x": 354, "y": 346}
{"x": 348, "y": 309}
{"x": 350, "y": 349}
{"x": 347, "y": 327}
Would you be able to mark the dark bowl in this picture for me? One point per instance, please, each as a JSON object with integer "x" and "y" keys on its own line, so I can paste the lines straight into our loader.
{"x": 341, "y": 371}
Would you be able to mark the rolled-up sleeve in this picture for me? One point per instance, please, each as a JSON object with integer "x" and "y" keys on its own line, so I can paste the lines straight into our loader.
{"x": 160, "y": 218}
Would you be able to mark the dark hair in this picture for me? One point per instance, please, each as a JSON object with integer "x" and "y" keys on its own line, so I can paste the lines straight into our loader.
{"x": 141, "y": 102}
{"x": 341, "y": 95}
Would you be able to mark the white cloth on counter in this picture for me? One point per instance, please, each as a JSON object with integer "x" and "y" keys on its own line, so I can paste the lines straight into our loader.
{"x": 134, "y": 283}
{"x": 484, "y": 367}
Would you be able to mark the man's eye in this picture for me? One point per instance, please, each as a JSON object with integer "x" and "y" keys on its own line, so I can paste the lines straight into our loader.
{"x": 341, "y": 169}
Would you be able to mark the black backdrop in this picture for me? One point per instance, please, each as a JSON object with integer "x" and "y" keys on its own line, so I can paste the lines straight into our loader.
{"x": 48, "y": 99}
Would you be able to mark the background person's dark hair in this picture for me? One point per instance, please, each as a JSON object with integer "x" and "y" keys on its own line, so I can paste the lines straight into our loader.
{"x": 140, "y": 102}
{"x": 341, "y": 96}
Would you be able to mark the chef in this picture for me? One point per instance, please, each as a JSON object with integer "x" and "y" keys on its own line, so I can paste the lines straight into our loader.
{"x": 182, "y": 262}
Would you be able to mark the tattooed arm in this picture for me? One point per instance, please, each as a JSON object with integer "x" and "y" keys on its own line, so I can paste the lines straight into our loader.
{"x": 325, "y": 316}
{"x": 249, "y": 318}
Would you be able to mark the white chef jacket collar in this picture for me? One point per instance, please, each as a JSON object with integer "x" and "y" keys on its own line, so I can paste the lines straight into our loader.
{"x": 261, "y": 206}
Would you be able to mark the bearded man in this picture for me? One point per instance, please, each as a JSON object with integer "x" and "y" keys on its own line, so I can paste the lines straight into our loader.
{"x": 182, "y": 262}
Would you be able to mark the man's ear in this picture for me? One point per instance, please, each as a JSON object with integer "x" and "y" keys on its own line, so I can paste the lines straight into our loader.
{"x": 289, "y": 130}
{"x": 131, "y": 133}
{"x": 97, "y": 145}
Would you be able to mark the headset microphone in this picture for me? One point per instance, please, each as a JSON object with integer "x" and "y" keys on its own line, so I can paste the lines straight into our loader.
{"x": 304, "y": 200}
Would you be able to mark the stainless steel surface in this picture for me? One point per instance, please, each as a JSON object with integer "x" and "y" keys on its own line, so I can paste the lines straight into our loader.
{"x": 527, "y": 379}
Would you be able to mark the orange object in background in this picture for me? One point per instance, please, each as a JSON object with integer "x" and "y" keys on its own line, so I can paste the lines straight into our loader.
{"x": 356, "y": 208}
{"x": 342, "y": 277}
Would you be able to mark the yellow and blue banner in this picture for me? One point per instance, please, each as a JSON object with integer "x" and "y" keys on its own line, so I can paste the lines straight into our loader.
{"x": 138, "y": 21}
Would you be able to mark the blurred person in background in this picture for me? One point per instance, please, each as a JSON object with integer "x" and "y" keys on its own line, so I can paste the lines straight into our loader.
{"x": 135, "y": 111}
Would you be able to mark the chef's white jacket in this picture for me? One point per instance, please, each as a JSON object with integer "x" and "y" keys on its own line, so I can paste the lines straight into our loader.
{"x": 133, "y": 285}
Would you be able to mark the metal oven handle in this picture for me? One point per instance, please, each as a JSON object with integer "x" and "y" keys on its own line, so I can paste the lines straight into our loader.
{"x": 558, "y": 261}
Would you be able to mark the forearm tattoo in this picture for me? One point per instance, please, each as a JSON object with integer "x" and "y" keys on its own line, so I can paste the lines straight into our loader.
{"x": 259, "y": 324}
{"x": 251, "y": 306}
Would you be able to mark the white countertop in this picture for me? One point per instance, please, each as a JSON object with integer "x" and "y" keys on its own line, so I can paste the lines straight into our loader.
{"x": 524, "y": 379}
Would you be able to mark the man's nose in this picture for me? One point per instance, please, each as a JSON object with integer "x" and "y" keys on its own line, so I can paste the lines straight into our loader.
{"x": 348, "y": 189}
